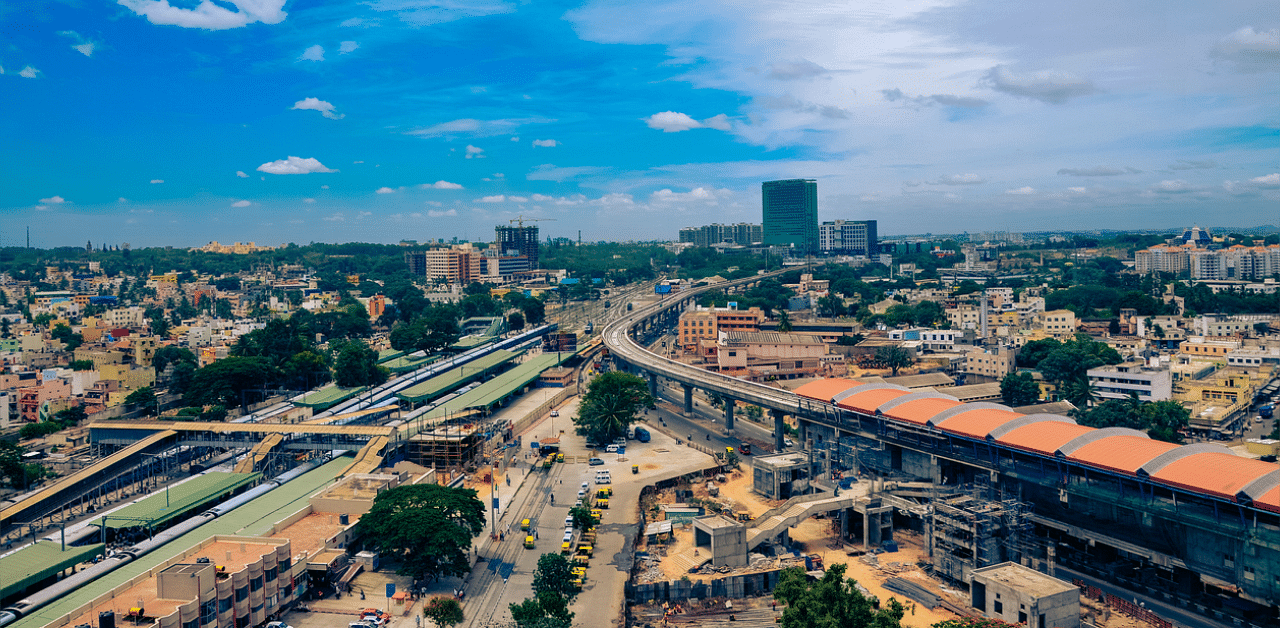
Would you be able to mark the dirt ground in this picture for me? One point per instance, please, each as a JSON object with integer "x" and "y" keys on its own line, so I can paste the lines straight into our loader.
{"x": 817, "y": 537}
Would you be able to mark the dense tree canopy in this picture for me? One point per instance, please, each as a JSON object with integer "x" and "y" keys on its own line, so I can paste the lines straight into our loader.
{"x": 427, "y": 527}
{"x": 610, "y": 406}
{"x": 224, "y": 382}
{"x": 355, "y": 364}
{"x": 1161, "y": 420}
{"x": 831, "y": 602}
{"x": 1019, "y": 389}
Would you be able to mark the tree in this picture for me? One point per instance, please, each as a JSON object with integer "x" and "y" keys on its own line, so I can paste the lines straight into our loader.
{"x": 71, "y": 339}
{"x": 831, "y": 306}
{"x": 1161, "y": 420}
{"x": 784, "y": 322}
{"x": 535, "y": 312}
{"x": 225, "y": 381}
{"x": 515, "y": 321}
{"x": 444, "y": 611}
{"x": 895, "y": 358}
{"x": 545, "y": 610}
{"x": 1019, "y": 389}
{"x": 849, "y": 340}
{"x": 831, "y": 602}
{"x": 610, "y": 405}
{"x": 143, "y": 398}
{"x": 582, "y": 518}
{"x": 428, "y": 527}
{"x": 5, "y": 332}
{"x": 357, "y": 365}
{"x": 82, "y": 365}
{"x": 1113, "y": 327}
{"x": 553, "y": 575}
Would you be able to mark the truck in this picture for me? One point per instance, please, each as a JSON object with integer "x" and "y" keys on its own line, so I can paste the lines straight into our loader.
{"x": 628, "y": 307}
{"x": 1267, "y": 411}
{"x": 642, "y": 434}
{"x": 589, "y": 328}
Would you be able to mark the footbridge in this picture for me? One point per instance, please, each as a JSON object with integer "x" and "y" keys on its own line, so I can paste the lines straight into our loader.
{"x": 769, "y": 525}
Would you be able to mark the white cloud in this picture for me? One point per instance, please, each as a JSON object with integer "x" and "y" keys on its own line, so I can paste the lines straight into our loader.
{"x": 1250, "y": 50}
{"x": 157, "y": 180}
{"x": 1025, "y": 190}
{"x": 53, "y": 200}
{"x": 497, "y": 198}
{"x": 1077, "y": 190}
{"x": 326, "y": 109}
{"x": 336, "y": 217}
{"x": 347, "y": 46}
{"x": 792, "y": 70}
{"x": 314, "y": 53}
{"x": 82, "y": 45}
{"x": 474, "y": 152}
{"x": 122, "y": 200}
{"x": 477, "y": 128}
{"x": 1098, "y": 171}
{"x": 1049, "y": 86}
{"x": 1268, "y": 181}
{"x": 518, "y": 199}
{"x": 363, "y": 214}
{"x": 671, "y": 122}
{"x": 946, "y": 100}
{"x": 294, "y": 165}
{"x": 29, "y": 72}
{"x": 675, "y": 122}
{"x": 545, "y": 143}
{"x": 959, "y": 179}
{"x": 1174, "y": 186}
{"x": 308, "y": 200}
{"x": 437, "y": 213}
{"x": 241, "y": 204}
{"x": 1186, "y": 164}
{"x": 324, "y": 187}
{"x": 385, "y": 190}
{"x": 354, "y": 21}
{"x": 699, "y": 195}
{"x": 428, "y": 12}
{"x": 1265, "y": 182}
{"x": 208, "y": 15}
{"x": 241, "y": 174}
{"x": 515, "y": 138}
{"x": 551, "y": 172}
{"x": 442, "y": 185}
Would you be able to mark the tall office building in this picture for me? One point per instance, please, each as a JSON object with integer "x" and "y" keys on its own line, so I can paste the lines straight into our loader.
{"x": 850, "y": 237}
{"x": 523, "y": 240}
{"x": 791, "y": 214}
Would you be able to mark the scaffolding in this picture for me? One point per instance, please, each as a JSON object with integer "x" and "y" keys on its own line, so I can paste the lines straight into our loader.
{"x": 447, "y": 447}
{"x": 968, "y": 533}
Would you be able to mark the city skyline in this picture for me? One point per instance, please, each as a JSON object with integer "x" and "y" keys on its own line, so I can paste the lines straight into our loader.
{"x": 151, "y": 123}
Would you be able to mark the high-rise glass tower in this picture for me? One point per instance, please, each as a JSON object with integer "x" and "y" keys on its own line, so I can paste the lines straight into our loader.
{"x": 791, "y": 214}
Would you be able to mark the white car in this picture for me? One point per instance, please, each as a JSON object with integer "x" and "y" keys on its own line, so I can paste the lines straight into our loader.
{"x": 555, "y": 413}
{"x": 789, "y": 442}
{"x": 611, "y": 449}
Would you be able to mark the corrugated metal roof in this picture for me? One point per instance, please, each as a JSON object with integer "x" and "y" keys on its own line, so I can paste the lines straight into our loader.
{"x": 867, "y": 401}
{"x": 977, "y": 423}
{"x": 1044, "y": 437}
{"x": 769, "y": 338}
{"x": 825, "y": 389}
{"x": 163, "y": 505}
{"x": 919, "y": 411}
{"x": 1270, "y": 500}
{"x": 1121, "y": 453}
{"x": 1218, "y": 474}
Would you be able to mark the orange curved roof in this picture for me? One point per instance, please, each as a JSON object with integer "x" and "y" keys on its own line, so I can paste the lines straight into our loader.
{"x": 977, "y": 423}
{"x": 919, "y": 411}
{"x": 1216, "y": 473}
{"x": 1269, "y": 500}
{"x": 1122, "y": 453}
{"x": 1044, "y": 437}
{"x": 867, "y": 401}
{"x": 825, "y": 389}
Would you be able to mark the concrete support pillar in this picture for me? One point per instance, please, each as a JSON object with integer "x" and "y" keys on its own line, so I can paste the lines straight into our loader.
{"x": 779, "y": 430}
{"x": 804, "y": 432}
{"x": 728, "y": 416}
{"x": 688, "y": 398}
{"x": 653, "y": 385}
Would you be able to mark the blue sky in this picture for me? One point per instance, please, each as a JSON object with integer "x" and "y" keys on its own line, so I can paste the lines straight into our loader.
{"x": 176, "y": 122}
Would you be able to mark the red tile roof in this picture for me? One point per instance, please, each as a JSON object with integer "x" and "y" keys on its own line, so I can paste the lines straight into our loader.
{"x": 919, "y": 411}
{"x": 825, "y": 389}
{"x": 1215, "y": 473}
{"x": 1121, "y": 453}
{"x": 1269, "y": 500}
{"x": 1044, "y": 437}
{"x": 867, "y": 401}
{"x": 977, "y": 423}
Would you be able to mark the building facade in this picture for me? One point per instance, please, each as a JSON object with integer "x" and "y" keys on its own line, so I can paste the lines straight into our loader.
{"x": 521, "y": 240}
{"x": 741, "y": 233}
{"x": 850, "y": 237}
{"x": 791, "y": 214}
{"x": 1122, "y": 380}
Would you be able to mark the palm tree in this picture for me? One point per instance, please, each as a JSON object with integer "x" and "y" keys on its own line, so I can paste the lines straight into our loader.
{"x": 1079, "y": 392}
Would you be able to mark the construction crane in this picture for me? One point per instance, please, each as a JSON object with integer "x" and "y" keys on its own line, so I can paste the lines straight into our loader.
{"x": 520, "y": 220}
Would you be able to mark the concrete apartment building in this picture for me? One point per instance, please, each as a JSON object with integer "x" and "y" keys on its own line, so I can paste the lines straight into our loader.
{"x": 1060, "y": 324}
{"x": 459, "y": 264}
{"x": 700, "y": 323}
{"x": 1021, "y": 595}
{"x": 1122, "y": 380}
{"x": 849, "y": 237}
{"x": 709, "y": 235}
{"x": 991, "y": 363}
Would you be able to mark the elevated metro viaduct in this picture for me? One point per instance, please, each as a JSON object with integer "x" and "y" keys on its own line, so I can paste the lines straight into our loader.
{"x": 1166, "y": 519}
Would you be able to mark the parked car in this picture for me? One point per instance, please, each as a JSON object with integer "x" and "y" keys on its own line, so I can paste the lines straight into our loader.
{"x": 595, "y": 461}
{"x": 788, "y": 442}
{"x": 611, "y": 449}
{"x": 555, "y": 413}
